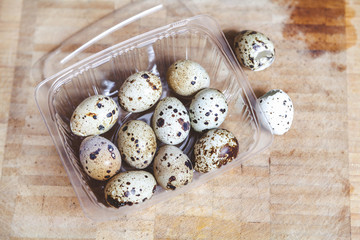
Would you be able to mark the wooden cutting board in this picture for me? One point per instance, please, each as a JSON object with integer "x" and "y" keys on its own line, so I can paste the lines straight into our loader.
{"x": 305, "y": 186}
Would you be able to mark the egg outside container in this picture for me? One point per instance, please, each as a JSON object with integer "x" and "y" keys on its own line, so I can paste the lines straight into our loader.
{"x": 77, "y": 70}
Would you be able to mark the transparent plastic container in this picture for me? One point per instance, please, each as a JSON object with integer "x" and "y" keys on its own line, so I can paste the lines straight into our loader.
{"x": 79, "y": 69}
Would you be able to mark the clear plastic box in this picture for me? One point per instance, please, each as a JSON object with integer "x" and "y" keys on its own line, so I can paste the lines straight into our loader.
{"x": 81, "y": 67}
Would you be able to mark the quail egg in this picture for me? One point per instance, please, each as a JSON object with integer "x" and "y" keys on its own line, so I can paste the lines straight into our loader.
{"x": 137, "y": 143}
{"x": 278, "y": 109}
{"x": 99, "y": 157}
{"x": 214, "y": 149}
{"x": 254, "y": 50}
{"x": 208, "y": 109}
{"x": 128, "y": 188}
{"x": 172, "y": 168}
{"x": 93, "y": 116}
{"x": 171, "y": 121}
{"x": 140, "y": 92}
{"x": 186, "y": 77}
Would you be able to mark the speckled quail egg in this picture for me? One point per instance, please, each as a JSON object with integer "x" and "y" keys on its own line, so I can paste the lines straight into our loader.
{"x": 254, "y": 50}
{"x": 208, "y": 109}
{"x": 278, "y": 109}
{"x": 186, "y": 77}
{"x": 214, "y": 149}
{"x": 93, "y": 116}
{"x": 99, "y": 157}
{"x": 140, "y": 92}
{"x": 171, "y": 121}
{"x": 137, "y": 143}
{"x": 128, "y": 188}
{"x": 172, "y": 168}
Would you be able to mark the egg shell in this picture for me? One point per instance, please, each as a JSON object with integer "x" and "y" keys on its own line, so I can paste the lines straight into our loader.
{"x": 186, "y": 77}
{"x": 99, "y": 157}
{"x": 172, "y": 168}
{"x": 128, "y": 188}
{"x": 137, "y": 143}
{"x": 278, "y": 110}
{"x": 94, "y": 116}
{"x": 171, "y": 121}
{"x": 254, "y": 50}
{"x": 208, "y": 109}
{"x": 140, "y": 91}
{"x": 214, "y": 149}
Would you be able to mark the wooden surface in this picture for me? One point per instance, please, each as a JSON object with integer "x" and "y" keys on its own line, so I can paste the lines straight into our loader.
{"x": 305, "y": 186}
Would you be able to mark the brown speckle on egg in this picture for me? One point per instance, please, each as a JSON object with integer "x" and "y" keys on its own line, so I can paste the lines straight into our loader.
{"x": 188, "y": 164}
{"x": 145, "y": 76}
{"x": 170, "y": 186}
{"x": 160, "y": 122}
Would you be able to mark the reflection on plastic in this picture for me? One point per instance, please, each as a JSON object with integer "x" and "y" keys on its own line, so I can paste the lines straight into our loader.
{"x": 111, "y": 30}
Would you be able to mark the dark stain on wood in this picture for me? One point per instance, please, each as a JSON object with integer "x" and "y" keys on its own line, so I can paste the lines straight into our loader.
{"x": 338, "y": 67}
{"x": 320, "y": 24}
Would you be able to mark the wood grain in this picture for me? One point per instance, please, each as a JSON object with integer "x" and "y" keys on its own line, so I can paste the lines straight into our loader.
{"x": 353, "y": 80}
{"x": 305, "y": 186}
